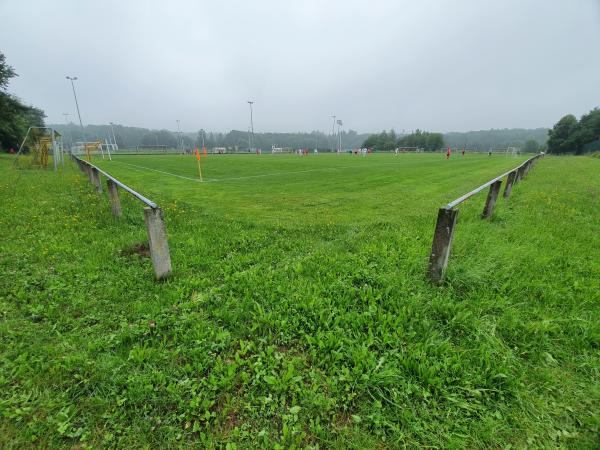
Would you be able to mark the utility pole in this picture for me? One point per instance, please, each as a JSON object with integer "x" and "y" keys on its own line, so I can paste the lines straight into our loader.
{"x": 202, "y": 130}
{"x": 339, "y": 122}
{"x": 251, "y": 141}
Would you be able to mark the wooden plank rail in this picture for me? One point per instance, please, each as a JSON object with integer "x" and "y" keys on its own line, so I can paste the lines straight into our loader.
{"x": 153, "y": 216}
{"x": 447, "y": 215}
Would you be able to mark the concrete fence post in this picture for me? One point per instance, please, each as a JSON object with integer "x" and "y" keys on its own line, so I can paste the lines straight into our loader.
{"x": 157, "y": 239}
{"x": 88, "y": 170}
{"x": 442, "y": 243}
{"x": 510, "y": 180}
{"x": 491, "y": 199}
{"x": 113, "y": 196}
{"x": 96, "y": 178}
{"x": 519, "y": 174}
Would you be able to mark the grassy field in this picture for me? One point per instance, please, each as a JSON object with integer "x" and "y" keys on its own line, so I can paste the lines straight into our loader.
{"x": 298, "y": 315}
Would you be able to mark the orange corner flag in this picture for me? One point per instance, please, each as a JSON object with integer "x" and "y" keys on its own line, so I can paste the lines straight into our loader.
{"x": 204, "y": 151}
{"x": 199, "y": 167}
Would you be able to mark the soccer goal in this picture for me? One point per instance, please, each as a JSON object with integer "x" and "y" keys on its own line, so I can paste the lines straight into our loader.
{"x": 151, "y": 149}
{"x": 38, "y": 145}
{"x": 513, "y": 151}
{"x": 89, "y": 149}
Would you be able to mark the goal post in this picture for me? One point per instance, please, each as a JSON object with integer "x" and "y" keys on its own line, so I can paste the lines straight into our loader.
{"x": 151, "y": 148}
{"x": 37, "y": 146}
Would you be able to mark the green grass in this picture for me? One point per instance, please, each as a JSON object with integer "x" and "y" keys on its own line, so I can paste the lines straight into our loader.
{"x": 298, "y": 314}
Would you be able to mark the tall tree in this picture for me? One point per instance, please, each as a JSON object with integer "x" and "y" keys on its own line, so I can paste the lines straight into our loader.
{"x": 15, "y": 117}
{"x": 531, "y": 146}
{"x": 562, "y": 135}
{"x": 587, "y": 131}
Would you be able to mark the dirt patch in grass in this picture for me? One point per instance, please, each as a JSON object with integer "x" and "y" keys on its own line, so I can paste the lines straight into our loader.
{"x": 141, "y": 249}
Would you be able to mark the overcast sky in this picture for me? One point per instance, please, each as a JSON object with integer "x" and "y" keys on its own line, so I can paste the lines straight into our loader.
{"x": 436, "y": 65}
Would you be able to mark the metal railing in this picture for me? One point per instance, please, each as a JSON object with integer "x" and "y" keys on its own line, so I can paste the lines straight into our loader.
{"x": 153, "y": 215}
{"x": 447, "y": 215}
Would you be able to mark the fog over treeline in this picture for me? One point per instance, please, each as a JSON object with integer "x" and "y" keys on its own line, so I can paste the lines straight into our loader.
{"x": 433, "y": 65}
{"x": 131, "y": 137}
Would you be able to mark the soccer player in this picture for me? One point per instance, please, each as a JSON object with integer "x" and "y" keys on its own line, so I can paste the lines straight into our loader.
{"x": 448, "y": 153}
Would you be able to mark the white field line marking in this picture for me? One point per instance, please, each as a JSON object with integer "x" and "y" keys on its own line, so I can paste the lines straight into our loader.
{"x": 163, "y": 172}
{"x": 213, "y": 180}
{"x": 216, "y": 180}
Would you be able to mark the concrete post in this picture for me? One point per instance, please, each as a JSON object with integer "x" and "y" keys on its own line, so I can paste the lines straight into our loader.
{"x": 519, "y": 174}
{"x": 96, "y": 179}
{"x": 113, "y": 196}
{"x": 88, "y": 170}
{"x": 157, "y": 238}
{"x": 491, "y": 199}
{"x": 510, "y": 180}
{"x": 442, "y": 243}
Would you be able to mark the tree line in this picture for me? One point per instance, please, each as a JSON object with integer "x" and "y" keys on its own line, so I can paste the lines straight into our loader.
{"x": 570, "y": 135}
{"x": 132, "y": 137}
{"x": 528, "y": 140}
{"x": 386, "y": 141}
{"x": 15, "y": 116}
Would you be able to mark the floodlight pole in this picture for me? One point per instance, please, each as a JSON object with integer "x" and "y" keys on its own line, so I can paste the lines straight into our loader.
{"x": 113, "y": 136}
{"x": 54, "y": 150}
{"x": 333, "y": 131}
{"x": 68, "y": 127}
{"x": 179, "y": 133}
{"x": 202, "y": 138}
{"x": 77, "y": 106}
{"x": 251, "y": 125}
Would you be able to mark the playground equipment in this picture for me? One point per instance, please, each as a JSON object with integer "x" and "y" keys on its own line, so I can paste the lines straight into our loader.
{"x": 38, "y": 144}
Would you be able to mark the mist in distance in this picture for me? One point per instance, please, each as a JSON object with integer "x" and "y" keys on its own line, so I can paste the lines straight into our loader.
{"x": 440, "y": 66}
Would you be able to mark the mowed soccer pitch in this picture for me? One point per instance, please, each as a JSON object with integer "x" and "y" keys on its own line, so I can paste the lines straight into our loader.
{"x": 325, "y": 189}
{"x": 298, "y": 314}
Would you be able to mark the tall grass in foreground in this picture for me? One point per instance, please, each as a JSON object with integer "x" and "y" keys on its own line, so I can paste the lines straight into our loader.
{"x": 299, "y": 315}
